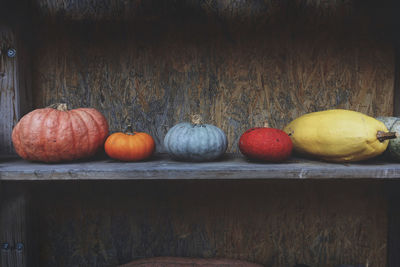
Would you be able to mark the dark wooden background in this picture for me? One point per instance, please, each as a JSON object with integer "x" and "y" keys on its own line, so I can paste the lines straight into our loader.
{"x": 237, "y": 63}
{"x": 275, "y": 223}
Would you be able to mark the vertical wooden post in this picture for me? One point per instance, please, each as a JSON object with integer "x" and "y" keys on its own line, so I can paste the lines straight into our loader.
{"x": 15, "y": 68}
{"x": 396, "y": 93}
{"x": 393, "y": 192}
{"x": 393, "y": 243}
{"x": 14, "y": 246}
{"x": 15, "y": 99}
{"x": 9, "y": 98}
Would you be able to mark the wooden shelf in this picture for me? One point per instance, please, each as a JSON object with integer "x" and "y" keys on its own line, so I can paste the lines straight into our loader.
{"x": 162, "y": 167}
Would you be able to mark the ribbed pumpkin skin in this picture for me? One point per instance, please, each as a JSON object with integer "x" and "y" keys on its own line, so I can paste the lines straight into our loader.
{"x": 129, "y": 147}
{"x": 52, "y": 135}
{"x": 195, "y": 142}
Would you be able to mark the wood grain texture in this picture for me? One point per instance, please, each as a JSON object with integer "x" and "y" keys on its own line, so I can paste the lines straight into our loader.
{"x": 396, "y": 109}
{"x": 151, "y": 10}
{"x": 234, "y": 67}
{"x": 245, "y": 11}
{"x": 393, "y": 241}
{"x": 9, "y": 97}
{"x": 272, "y": 223}
{"x": 188, "y": 262}
{"x": 15, "y": 79}
{"x": 14, "y": 226}
{"x": 230, "y": 167}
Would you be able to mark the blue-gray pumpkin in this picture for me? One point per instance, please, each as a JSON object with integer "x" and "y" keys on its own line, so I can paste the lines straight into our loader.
{"x": 195, "y": 141}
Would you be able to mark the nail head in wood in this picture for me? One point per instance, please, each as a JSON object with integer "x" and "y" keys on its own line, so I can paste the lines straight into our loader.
{"x": 11, "y": 52}
{"x": 19, "y": 247}
{"x": 5, "y": 246}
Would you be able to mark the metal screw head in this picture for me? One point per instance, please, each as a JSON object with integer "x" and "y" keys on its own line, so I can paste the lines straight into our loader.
{"x": 11, "y": 52}
{"x": 5, "y": 246}
{"x": 19, "y": 246}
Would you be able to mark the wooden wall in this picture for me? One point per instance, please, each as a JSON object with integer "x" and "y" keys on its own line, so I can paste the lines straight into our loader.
{"x": 274, "y": 223}
{"x": 237, "y": 63}
{"x": 15, "y": 71}
{"x": 8, "y": 110}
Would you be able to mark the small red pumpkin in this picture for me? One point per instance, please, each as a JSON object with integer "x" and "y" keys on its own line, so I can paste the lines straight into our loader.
{"x": 129, "y": 146}
{"x": 266, "y": 144}
{"x": 56, "y": 134}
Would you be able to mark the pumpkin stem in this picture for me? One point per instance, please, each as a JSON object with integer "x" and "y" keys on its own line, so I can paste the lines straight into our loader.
{"x": 129, "y": 130}
{"x": 197, "y": 119}
{"x": 382, "y": 136}
{"x": 59, "y": 106}
{"x": 266, "y": 124}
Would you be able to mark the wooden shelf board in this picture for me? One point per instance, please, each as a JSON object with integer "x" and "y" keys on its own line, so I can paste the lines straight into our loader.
{"x": 162, "y": 167}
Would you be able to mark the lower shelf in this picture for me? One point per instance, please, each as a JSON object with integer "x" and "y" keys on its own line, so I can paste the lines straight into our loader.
{"x": 161, "y": 166}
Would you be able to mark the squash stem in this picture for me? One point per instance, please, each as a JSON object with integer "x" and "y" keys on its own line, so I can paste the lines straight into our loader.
{"x": 59, "y": 106}
{"x": 382, "y": 136}
{"x": 129, "y": 130}
{"x": 197, "y": 119}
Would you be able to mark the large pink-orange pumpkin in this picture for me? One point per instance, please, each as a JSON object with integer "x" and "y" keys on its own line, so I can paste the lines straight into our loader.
{"x": 56, "y": 134}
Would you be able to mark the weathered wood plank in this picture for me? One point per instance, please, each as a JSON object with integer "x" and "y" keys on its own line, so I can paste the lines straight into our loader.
{"x": 393, "y": 189}
{"x": 15, "y": 69}
{"x": 120, "y": 10}
{"x": 298, "y": 58}
{"x": 247, "y": 12}
{"x": 396, "y": 94}
{"x": 393, "y": 241}
{"x": 14, "y": 226}
{"x": 162, "y": 167}
{"x": 9, "y": 97}
{"x": 396, "y": 101}
{"x": 273, "y": 223}
{"x": 188, "y": 262}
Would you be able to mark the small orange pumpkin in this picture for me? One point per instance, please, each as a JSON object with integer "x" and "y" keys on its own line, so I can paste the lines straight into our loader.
{"x": 129, "y": 146}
